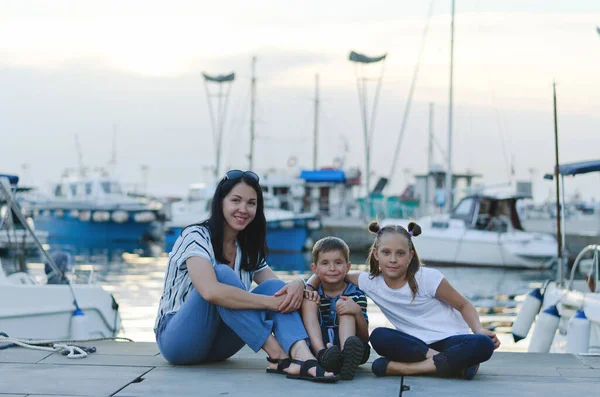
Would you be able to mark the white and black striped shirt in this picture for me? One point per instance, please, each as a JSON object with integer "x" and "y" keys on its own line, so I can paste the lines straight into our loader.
{"x": 194, "y": 241}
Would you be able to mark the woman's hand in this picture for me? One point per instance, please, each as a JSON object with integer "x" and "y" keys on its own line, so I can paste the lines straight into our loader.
{"x": 346, "y": 306}
{"x": 294, "y": 292}
{"x": 312, "y": 296}
{"x": 492, "y": 335}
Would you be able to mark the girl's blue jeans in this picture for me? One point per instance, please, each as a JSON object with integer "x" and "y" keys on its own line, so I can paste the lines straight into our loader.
{"x": 456, "y": 352}
{"x": 204, "y": 332}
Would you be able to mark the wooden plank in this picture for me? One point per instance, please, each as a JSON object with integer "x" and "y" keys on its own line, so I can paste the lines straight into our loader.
{"x": 108, "y": 360}
{"x": 78, "y": 380}
{"x": 179, "y": 381}
{"x": 22, "y": 355}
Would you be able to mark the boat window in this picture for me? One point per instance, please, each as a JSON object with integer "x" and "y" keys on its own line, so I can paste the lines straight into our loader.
{"x": 463, "y": 208}
{"x": 73, "y": 188}
{"x": 88, "y": 189}
{"x": 58, "y": 191}
{"x": 111, "y": 187}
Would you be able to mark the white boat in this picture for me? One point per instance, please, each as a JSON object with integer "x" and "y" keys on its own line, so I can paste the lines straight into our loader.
{"x": 32, "y": 308}
{"x": 482, "y": 230}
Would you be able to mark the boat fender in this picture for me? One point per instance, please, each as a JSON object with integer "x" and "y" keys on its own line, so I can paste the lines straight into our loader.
{"x": 120, "y": 216}
{"x": 101, "y": 216}
{"x": 544, "y": 330}
{"x": 144, "y": 217}
{"x": 79, "y": 328}
{"x": 85, "y": 216}
{"x": 527, "y": 313}
{"x": 578, "y": 334}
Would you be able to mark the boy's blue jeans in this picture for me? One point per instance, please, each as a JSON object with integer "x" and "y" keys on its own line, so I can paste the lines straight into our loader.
{"x": 456, "y": 352}
{"x": 203, "y": 332}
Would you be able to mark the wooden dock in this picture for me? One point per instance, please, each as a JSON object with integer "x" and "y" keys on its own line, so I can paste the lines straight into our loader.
{"x": 137, "y": 369}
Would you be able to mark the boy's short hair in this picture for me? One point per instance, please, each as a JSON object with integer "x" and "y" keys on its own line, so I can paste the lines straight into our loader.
{"x": 328, "y": 244}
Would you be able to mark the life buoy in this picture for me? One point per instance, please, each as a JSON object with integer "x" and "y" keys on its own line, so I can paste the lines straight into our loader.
{"x": 292, "y": 161}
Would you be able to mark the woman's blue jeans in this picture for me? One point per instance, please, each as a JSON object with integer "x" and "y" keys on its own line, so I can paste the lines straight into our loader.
{"x": 456, "y": 352}
{"x": 204, "y": 332}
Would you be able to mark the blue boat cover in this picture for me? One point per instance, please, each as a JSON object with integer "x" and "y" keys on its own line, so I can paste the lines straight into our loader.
{"x": 332, "y": 176}
{"x": 12, "y": 179}
{"x": 581, "y": 167}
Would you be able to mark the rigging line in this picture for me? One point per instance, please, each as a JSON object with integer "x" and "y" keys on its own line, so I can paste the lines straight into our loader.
{"x": 233, "y": 132}
{"x": 509, "y": 164}
{"x": 375, "y": 102}
{"x": 361, "y": 99}
{"x": 411, "y": 92}
{"x": 222, "y": 119}
{"x": 441, "y": 150}
{"x": 211, "y": 113}
{"x": 365, "y": 104}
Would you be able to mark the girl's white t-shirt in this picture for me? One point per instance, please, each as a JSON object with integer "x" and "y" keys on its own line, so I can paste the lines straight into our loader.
{"x": 425, "y": 317}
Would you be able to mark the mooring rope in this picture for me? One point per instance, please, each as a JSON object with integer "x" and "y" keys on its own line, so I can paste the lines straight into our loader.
{"x": 55, "y": 345}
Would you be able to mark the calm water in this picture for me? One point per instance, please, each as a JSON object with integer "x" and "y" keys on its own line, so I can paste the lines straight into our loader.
{"x": 137, "y": 281}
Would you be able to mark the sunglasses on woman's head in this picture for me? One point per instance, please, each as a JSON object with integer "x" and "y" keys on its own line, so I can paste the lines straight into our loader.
{"x": 234, "y": 174}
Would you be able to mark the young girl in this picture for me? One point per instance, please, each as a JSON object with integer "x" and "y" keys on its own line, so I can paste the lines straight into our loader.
{"x": 431, "y": 318}
{"x": 207, "y": 312}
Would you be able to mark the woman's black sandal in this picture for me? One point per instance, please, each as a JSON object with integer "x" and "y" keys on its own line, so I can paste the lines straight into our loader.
{"x": 330, "y": 359}
{"x": 305, "y": 366}
{"x": 282, "y": 363}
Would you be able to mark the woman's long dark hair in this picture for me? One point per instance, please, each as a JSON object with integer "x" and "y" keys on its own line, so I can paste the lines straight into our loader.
{"x": 253, "y": 239}
{"x": 413, "y": 231}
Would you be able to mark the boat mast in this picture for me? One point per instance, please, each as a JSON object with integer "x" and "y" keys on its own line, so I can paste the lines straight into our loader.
{"x": 252, "y": 110}
{"x": 429, "y": 157}
{"x": 79, "y": 156}
{"x": 316, "y": 126}
{"x": 113, "y": 157}
{"x": 450, "y": 104}
{"x": 559, "y": 265}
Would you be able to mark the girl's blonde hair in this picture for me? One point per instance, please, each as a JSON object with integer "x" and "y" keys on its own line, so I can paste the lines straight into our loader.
{"x": 413, "y": 231}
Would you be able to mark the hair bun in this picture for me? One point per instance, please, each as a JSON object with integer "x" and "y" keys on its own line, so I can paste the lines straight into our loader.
{"x": 414, "y": 228}
{"x": 373, "y": 226}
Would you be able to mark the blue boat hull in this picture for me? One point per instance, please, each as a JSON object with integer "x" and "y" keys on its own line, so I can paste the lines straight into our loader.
{"x": 73, "y": 231}
{"x": 278, "y": 239}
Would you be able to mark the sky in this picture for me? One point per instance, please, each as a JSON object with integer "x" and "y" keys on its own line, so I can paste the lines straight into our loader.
{"x": 89, "y": 68}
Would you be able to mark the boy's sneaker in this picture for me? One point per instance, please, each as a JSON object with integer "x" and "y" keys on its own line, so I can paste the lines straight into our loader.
{"x": 353, "y": 353}
{"x": 330, "y": 359}
{"x": 366, "y": 355}
{"x": 469, "y": 373}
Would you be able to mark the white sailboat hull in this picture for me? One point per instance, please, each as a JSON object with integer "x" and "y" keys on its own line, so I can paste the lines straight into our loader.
{"x": 44, "y": 311}
{"x": 447, "y": 241}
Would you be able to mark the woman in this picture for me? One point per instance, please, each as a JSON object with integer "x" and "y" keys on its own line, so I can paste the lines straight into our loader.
{"x": 206, "y": 312}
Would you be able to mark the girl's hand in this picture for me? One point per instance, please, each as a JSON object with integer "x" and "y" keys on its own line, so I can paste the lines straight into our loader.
{"x": 492, "y": 335}
{"x": 312, "y": 296}
{"x": 294, "y": 292}
{"x": 346, "y": 306}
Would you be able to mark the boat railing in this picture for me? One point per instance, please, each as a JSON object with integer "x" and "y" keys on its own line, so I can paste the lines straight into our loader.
{"x": 594, "y": 270}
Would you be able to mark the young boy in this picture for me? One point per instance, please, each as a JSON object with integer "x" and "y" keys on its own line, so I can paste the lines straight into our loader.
{"x": 335, "y": 315}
